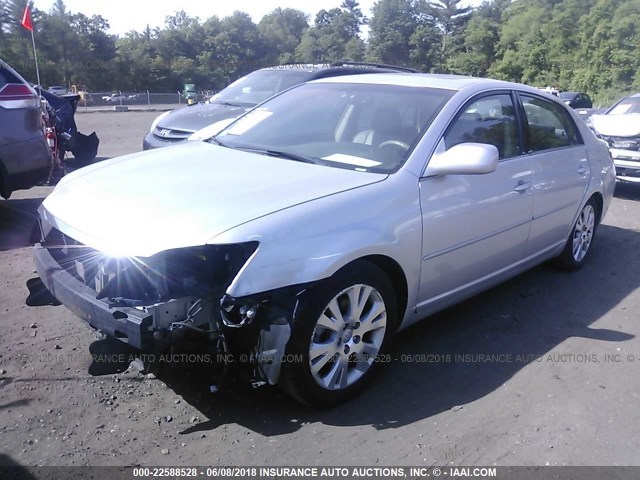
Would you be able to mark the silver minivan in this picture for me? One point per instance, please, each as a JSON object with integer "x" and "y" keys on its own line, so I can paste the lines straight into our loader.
{"x": 25, "y": 156}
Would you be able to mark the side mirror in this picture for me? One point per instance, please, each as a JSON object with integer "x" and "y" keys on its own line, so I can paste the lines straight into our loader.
{"x": 464, "y": 159}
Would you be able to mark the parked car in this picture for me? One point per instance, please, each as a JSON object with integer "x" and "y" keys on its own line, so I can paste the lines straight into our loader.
{"x": 310, "y": 230}
{"x": 25, "y": 156}
{"x": 586, "y": 113}
{"x": 576, "y": 99}
{"x": 244, "y": 94}
{"x": 189, "y": 94}
{"x": 57, "y": 90}
{"x": 550, "y": 90}
{"x": 114, "y": 98}
{"x": 620, "y": 128}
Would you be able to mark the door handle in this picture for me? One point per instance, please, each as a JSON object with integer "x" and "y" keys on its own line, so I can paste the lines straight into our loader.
{"x": 522, "y": 186}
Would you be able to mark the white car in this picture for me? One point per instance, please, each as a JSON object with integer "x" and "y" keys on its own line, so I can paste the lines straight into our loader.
{"x": 114, "y": 97}
{"x": 304, "y": 235}
{"x": 620, "y": 128}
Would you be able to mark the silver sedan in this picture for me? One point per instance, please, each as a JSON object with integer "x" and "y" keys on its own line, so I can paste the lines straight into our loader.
{"x": 298, "y": 240}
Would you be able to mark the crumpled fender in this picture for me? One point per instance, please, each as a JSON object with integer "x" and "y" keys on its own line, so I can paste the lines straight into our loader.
{"x": 312, "y": 241}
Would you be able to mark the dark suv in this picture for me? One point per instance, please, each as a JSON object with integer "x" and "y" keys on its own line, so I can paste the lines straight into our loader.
{"x": 25, "y": 156}
{"x": 244, "y": 94}
{"x": 576, "y": 99}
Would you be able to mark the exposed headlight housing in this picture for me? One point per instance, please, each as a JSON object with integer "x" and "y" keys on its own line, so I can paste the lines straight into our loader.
{"x": 183, "y": 272}
{"x": 188, "y": 271}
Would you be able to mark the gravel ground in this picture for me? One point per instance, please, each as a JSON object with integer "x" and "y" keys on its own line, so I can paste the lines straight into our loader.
{"x": 540, "y": 371}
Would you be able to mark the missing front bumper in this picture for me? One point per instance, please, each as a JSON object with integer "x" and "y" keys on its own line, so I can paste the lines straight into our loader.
{"x": 261, "y": 340}
{"x": 127, "y": 324}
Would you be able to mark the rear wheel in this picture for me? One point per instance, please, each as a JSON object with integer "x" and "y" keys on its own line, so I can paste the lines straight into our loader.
{"x": 580, "y": 240}
{"x": 344, "y": 324}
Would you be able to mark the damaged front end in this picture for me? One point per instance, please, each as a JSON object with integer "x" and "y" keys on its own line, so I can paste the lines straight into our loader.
{"x": 173, "y": 300}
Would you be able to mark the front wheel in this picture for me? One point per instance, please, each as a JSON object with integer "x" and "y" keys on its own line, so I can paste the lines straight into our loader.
{"x": 344, "y": 324}
{"x": 581, "y": 238}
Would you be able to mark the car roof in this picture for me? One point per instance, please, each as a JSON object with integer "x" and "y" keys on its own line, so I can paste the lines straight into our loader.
{"x": 441, "y": 81}
{"x": 355, "y": 67}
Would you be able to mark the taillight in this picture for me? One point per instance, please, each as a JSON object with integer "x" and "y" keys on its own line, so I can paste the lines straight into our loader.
{"x": 17, "y": 95}
{"x": 51, "y": 138}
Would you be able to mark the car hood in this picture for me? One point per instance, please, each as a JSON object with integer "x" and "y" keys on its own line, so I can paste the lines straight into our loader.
{"x": 181, "y": 196}
{"x": 626, "y": 125}
{"x": 195, "y": 117}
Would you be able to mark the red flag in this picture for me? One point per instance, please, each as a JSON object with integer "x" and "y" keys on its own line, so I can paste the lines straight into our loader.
{"x": 26, "y": 19}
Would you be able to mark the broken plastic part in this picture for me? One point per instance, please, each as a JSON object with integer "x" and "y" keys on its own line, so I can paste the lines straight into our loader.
{"x": 273, "y": 340}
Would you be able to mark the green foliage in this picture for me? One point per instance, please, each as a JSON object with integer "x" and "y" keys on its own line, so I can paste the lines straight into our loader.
{"x": 583, "y": 45}
{"x": 334, "y": 35}
{"x": 392, "y": 25}
{"x": 282, "y": 31}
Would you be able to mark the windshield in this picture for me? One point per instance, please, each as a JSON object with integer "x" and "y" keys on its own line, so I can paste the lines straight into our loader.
{"x": 260, "y": 85}
{"x": 567, "y": 95}
{"x": 356, "y": 126}
{"x": 626, "y": 105}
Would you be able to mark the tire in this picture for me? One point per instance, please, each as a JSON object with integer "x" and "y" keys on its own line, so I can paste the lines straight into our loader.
{"x": 580, "y": 241}
{"x": 345, "y": 344}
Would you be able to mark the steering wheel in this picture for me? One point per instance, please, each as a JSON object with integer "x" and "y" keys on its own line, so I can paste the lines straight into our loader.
{"x": 397, "y": 143}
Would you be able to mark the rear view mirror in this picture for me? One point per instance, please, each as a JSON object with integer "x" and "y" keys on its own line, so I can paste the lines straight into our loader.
{"x": 464, "y": 159}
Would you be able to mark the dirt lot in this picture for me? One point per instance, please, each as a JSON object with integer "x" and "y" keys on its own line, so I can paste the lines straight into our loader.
{"x": 540, "y": 371}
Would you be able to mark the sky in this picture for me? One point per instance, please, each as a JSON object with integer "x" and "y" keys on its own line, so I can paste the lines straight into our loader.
{"x": 126, "y": 15}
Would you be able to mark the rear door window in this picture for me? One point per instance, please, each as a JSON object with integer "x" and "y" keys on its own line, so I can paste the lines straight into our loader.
{"x": 547, "y": 125}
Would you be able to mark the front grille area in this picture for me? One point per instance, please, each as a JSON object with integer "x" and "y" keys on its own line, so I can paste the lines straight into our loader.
{"x": 170, "y": 134}
{"x": 624, "y": 143}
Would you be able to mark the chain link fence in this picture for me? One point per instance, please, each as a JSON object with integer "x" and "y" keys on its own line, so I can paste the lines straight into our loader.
{"x": 134, "y": 100}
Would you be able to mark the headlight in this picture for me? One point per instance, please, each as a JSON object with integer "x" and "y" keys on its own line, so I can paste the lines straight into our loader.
{"x": 157, "y": 120}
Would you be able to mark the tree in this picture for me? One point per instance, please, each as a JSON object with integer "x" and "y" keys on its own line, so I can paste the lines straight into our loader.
{"x": 391, "y": 27}
{"x": 61, "y": 39}
{"x": 585, "y": 45}
{"x": 480, "y": 40}
{"x": 451, "y": 18}
{"x": 240, "y": 48}
{"x": 334, "y": 35}
{"x": 608, "y": 41}
{"x": 282, "y": 30}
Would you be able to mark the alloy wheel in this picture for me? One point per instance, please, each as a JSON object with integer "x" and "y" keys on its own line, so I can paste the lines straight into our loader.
{"x": 347, "y": 337}
{"x": 583, "y": 232}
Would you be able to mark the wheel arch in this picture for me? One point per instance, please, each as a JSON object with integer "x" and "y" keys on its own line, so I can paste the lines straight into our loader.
{"x": 599, "y": 199}
{"x": 396, "y": 276}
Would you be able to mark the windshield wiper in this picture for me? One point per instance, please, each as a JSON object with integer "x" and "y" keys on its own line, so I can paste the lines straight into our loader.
{"x": 281, "y": 154}
{"x": 217, "y": 142}
{"x": 232, "y": 104}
